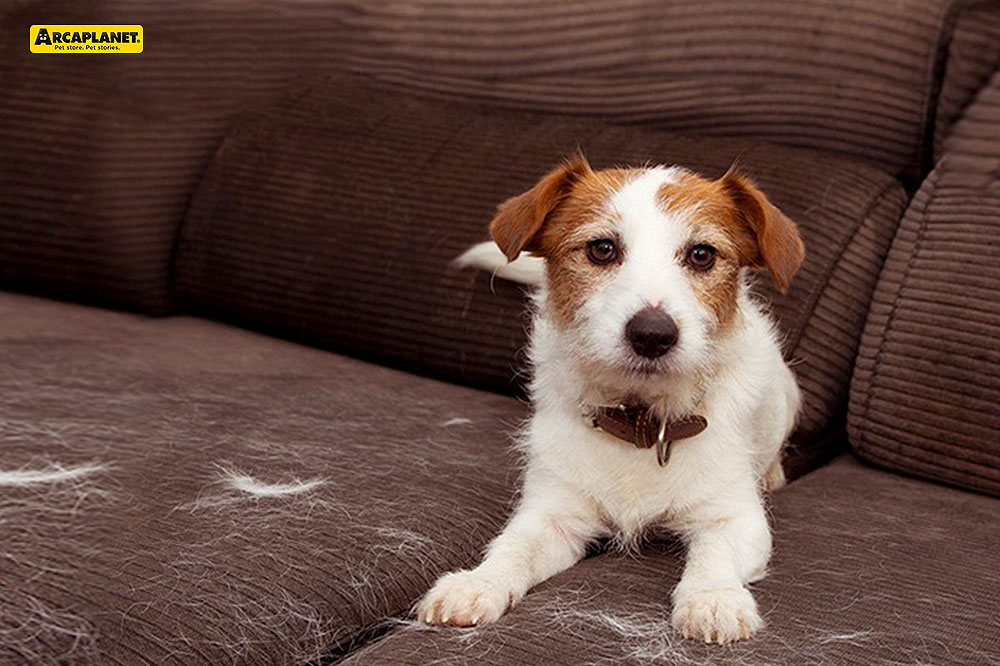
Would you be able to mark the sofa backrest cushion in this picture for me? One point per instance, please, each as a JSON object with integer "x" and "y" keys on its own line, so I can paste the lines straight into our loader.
{"x": 926, "y": 389}
{"x": 82, "y": 193}
{"x": 100, "y": 155}
{"x": 333, "y": 217}
{"x": 973, "y": 54}
{"x": 852, "y": 76}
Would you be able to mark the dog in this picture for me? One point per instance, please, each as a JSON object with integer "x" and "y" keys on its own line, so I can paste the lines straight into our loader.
{"x": 660, "y": 395}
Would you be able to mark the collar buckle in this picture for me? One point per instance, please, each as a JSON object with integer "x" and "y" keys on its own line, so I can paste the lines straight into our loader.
{"x": 651, "y": 431}
{"x": 645, "y": 429}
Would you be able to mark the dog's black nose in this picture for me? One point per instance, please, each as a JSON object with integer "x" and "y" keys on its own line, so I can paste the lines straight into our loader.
{"x": 651, "y": 332}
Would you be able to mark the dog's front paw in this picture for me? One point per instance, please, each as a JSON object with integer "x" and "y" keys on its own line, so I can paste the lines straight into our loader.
{"x": 465, "y": 599}
{"x": 716, "y": 615}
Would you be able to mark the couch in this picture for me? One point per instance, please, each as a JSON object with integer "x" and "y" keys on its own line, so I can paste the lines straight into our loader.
{"x": 249, "y": 411}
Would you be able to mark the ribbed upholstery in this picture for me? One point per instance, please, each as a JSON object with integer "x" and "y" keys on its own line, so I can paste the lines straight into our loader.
{"x": 973, "y": 54}
{"x": 927, "y": 384}
{"x": 157, "y": 557}
{"x": 333, "y": 216}
{"x": 76, "y": 216}
{"x": 851, "y": 76}
{"x": 159, "y": 529}
{"x": 99, "y": 155}
{"x": 869, "y": 568}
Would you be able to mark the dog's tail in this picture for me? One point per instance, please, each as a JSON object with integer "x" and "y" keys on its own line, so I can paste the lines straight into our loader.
{"x": 488, "y": 257}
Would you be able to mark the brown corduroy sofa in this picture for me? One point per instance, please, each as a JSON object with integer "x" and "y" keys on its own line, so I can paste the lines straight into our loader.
{"x": 249, "y": 412}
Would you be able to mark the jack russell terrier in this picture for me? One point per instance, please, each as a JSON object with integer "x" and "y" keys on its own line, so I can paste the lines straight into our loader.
{"x": 660, "y": 395}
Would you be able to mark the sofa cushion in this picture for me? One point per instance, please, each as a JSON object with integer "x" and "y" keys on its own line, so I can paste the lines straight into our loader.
{"x": 82, "y": 195}
{"x": 176, "y": 492}
{"x": 973, "y": 54}
{"x": 868, "y": 568}
{"x": 333, "y": 216}
{"x": 848, "y": 76}
{"x": 927, "y": 384}
{"x": 99, "y": 155}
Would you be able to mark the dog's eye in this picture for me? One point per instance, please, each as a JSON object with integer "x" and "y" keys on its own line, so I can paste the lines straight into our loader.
{"x": 701, "y": 257}
{"x": 602, "y": 251}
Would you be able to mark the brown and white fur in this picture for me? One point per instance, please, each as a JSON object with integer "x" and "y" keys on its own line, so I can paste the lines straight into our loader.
{"x": 582, "y": 484}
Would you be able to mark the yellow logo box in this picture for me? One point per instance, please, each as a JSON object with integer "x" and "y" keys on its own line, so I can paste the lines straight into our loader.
{"x": 85, "y": 39}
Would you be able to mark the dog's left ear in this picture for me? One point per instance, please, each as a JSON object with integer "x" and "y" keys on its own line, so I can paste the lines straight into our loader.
{"x": 779, "y": 247}
{"x": 519, "y": 220}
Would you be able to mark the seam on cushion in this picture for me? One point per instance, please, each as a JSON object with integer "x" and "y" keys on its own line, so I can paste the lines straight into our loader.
{"x": 818, "y": 291}
{"x": 883, "y": 339}
{"x": 205, "y": 178}
{"x": 359, "y": 640}
{"x": 948, "y": 136}
{"x": 937, "y": 139}
{"x": 934, "y": 82}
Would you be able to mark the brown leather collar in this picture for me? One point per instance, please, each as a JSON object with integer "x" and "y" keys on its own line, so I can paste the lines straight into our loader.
{"x": 642, "y": 427}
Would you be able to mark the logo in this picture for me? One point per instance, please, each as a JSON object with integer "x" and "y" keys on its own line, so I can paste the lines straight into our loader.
{"x": 85, "y": 39}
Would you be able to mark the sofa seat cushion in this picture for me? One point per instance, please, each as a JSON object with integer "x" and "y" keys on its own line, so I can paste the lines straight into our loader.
{"x": 178, "y": 492}
{"x": 868, "y": 568}
{"x": 333, "y": 216}
{"x": 925, "y": 392}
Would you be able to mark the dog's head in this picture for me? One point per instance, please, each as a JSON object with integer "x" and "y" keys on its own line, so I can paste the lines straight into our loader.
{"x": 645, "y": 266}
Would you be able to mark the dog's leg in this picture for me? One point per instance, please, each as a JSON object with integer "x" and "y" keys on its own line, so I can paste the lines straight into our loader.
{"x": 547, "y": 534}
{"x": 728, "y": 547}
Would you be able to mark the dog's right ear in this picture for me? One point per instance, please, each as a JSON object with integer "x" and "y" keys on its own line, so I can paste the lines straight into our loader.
{"x": 519, "y": 221}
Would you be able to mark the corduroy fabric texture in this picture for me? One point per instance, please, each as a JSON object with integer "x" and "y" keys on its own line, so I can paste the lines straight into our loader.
{"x": 973, "y": 54}
{"x": 79, "y": 194}
{"x": 868, "y": 568}
{"x": 333, "y": 217}
{"x": 175, "y": 492}
{"x": 927, "y": 384}
{"x": 161, "y": 536}
{"x": 849, "y": 76}
{"x": 99, "y": 155}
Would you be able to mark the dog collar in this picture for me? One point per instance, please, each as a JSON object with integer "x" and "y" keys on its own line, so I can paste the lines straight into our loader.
{"x": 642, "y": 427}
